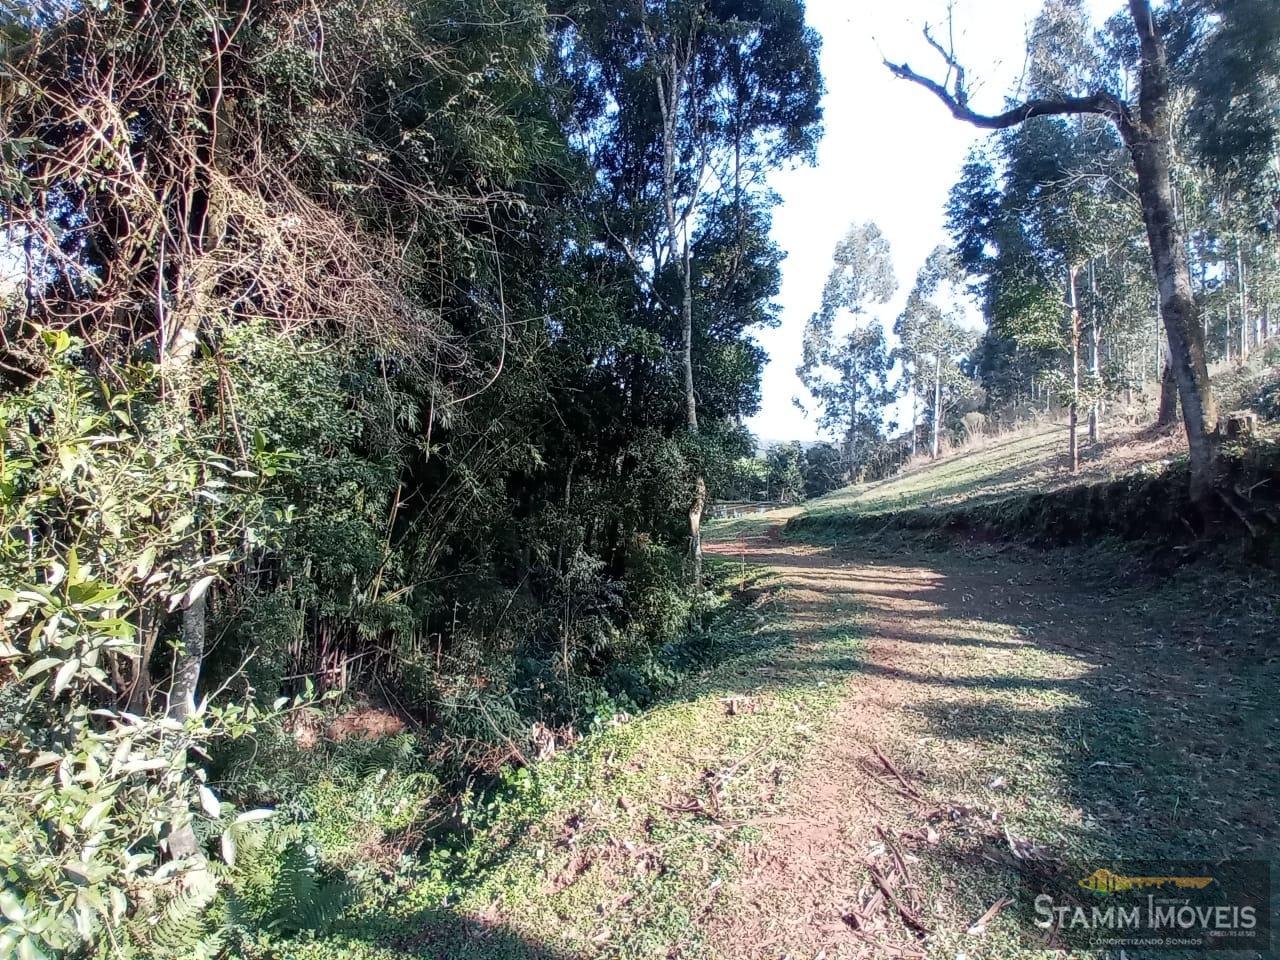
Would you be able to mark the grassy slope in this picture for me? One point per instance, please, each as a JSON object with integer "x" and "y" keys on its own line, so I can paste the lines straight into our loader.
{"x": 1027, "y": 461}
{"x": 1001, "y": 467}
{"x": 1033, "y": 459}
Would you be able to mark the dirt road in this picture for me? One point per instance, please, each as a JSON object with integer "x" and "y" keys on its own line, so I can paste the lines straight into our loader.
{"x": 1006, "y": 709}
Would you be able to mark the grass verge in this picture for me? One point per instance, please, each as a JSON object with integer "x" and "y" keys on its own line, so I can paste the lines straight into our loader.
{"x": 1150, "y": 505}
{"x": 621, "y": 845}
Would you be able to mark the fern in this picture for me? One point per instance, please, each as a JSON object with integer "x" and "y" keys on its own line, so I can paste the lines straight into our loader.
{"x": 179, "y": 925}
{"x": 303, "y": 899}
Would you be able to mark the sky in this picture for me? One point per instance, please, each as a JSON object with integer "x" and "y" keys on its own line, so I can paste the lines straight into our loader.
{"x": 890, "y": 154}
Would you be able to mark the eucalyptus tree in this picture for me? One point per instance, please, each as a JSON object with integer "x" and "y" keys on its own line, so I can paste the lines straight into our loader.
{"x": 933, "y": 338}
{"x": 1227, "y": 53}
{"x": 679, "y": 103}
{"x": 861, "y": 277}
{"x": 1046, "y": 221}
{"x": 1144, "y": 126}
{"x": 851, "y": 387}
{"x": 847, "y": 373}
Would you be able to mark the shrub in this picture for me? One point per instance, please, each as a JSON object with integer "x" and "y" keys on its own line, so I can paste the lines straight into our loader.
{"x": 97, "y": 495}
{"x": 1266, "y": 399}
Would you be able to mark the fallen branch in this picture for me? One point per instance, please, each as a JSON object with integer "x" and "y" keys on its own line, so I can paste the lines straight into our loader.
{"x": 896, "y": 854}
{"x": 979, "y": 926}
{"x": 906, "y": 784}
{"x": 1239, "y": 513}
{"x": 908, "y": 915}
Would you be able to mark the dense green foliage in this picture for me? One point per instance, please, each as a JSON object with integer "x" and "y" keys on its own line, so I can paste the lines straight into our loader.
{"x": 367, "y": 380}
{"x": 98, "y": 488}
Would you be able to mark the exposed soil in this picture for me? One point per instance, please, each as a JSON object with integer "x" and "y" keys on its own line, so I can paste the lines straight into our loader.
{"x": 359, "y": 723}
{"x": 977, "y": 738}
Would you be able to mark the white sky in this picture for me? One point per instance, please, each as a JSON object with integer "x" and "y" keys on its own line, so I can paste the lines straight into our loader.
{"x": 890, "y": 154}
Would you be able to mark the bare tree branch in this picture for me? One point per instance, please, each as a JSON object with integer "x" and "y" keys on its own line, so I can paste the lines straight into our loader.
{"x": 955, "y": 95}
{"x": 1101, "y": 103}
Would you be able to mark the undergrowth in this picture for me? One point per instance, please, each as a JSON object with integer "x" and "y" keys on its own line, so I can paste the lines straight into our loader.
{"x": 374, "y": 844}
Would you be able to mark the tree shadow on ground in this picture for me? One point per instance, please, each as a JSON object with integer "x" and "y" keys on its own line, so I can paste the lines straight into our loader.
{"x": 1074, "y": 700}
{"x": 440, "y": 934}
{"x": 1149, "y": 703}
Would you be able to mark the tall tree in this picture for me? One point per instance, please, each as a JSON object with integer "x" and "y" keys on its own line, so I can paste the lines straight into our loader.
{"x": 1228, "y": 53}
{"x": 680, "y": 102}
{"x": 851, "y": 386}
{"x": 933, "y": 337}
{"x": 848, "y": 373}
{"x": 1146, "y": 130}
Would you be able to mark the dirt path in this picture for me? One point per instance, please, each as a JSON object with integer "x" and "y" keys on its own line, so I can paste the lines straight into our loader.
{"x": 995, "y": 718}
{"x": 888, "y": 744}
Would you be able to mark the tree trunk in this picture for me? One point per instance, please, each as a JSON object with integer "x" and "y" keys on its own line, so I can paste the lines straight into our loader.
{"x": 851, "y": 442}
{"x": 1095, "y": 408}
{"x": 1242, "y": 290}
{"x": 179, "y": 335}
{"x": 1167, "y": 414}
{"x": 1148, "y": 141}
{"x": 670, "y": 96}
{"x": 186, "y": 673}
{"x": 1073, "y": 413}
{"x": 177, "y": 359}
{"x": 1095, "y": 357}
{"x": 686, "y": 320}
{"x": 1162, "y": 360}
{"x": 937, "y": 405}
{"x": 691, "y": 413}
{"x": 915, "y": 417}
{"x": 1266, "y": 322}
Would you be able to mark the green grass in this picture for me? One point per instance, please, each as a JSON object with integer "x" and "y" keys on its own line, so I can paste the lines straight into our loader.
{"x": 1148, "y": 743}
{"x": 621, "y": 845}
{"x": 729, "y": 529}
{"x": 998, "y": 468}
{"x": 631, "y": 876}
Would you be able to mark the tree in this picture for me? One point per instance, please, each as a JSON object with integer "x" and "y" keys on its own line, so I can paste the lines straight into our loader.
{"x": 1228, "y": 53}
{"x": 933, "y": 337}
{"x": 680, "y": 99}
{"x": 848, "y": 374}
{"x": 821, "y": 469}
{"x": 786, "y": 472}
{"x": 1146, "y": 130}
{"x": 861, "y": 273}
{"x": 88, "y": 783}
{"x": 851, "y": 385}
